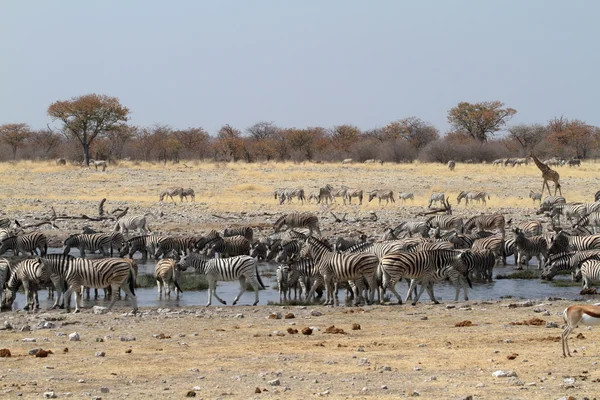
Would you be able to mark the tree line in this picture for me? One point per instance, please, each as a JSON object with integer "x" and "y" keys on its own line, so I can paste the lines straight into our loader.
{"x": 96, "y": 126}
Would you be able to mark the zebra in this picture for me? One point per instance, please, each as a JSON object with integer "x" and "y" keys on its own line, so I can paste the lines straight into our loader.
{"x": 382, "y": 194}
{"x": 580, "y": 256}
{"x": 244, "y": 231}
{"x": 445, "y": 222}
{"x": 298, "y": 220}
{"x": 126, "y": 223}
{"x": 480, "y": 263}
{"x": 499, "y": 161}
{"x": 528, "y": 247}
{"x": 509, "y": 247}
{"x": 91, "y": 242}
{"x": 202, "y": 241}
{"x": 242, "y": 268}
{"x": 592, "y": 219}
{"x": 589, "y": 272}
{"x": 548, "y": 203}
{"x": 290, "y": 250}
{"x": 58, "y": 265}
{"x": 168, "y": 244}
{"x": 424, "y": 267}
{"x": 406, "y": 196}
{"x": 99, "y": 163}
{"x": 167, "y": 274}
{"x": 325, "y": 194}
{"x": 380, "y": 249}
{"x": 451, "y": 165}
{"x": 114, "y": 272}
{"x": 530, "y": 228}
{"x": 535, "y": 196}
{"x": 556, "y": 263}
{"x": 259, "y": 251}
{"x": 31, "y": 273}
{"x": 493, "y": 243}
{"x": 574, "y": 162}
{"x": 143, "y": 244}
{"x": 473, "y": 196}
{"x": 282, "y": 273}
{"x": 189, "y": 192}
{"x": 358, "y": 193}
{"x": 314, "y": 196}
{"x": 305, "y": 273}
{"x": 288, "y": 194}
{"x": 4, "y": 223}
{"x": 563, "y": 243}
{"x": 230, "y": 246}
{"x": 425, "y": 246}
{"x": 342, "y": 244}
{"x": 483, "y": 222}
{"x": 170, "y": 192}
{"x": 411, "y": 228}
{"x": 341, "y": 192}
{"x": 336, "y": 267}
{"x": 435, "y": 198}
{"x": 30, "y": 242}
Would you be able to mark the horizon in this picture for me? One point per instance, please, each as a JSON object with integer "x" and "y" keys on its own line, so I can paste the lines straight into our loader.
{"x": 207, "y": 64}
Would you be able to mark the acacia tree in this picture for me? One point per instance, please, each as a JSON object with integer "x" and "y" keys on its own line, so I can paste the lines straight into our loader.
{"x": 86, "y": 117}
{"x": 480, "y": 120}
{"x": 14, "y": 135}
{"x": 230, "y": 143}
{"x": 412, "y": 129}
{"x": 46, "y": 141}
{"x": 528, "y": 136}
{"x": 573, "y": 133}
{"x": 344, "y": 136}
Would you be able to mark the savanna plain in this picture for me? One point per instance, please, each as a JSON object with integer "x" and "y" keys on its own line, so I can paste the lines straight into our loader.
{"x": 445, "y": 351}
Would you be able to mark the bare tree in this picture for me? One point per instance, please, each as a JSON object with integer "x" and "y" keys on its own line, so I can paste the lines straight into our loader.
{"x": 528, "y": 136}
{"x": 15, "y": 135}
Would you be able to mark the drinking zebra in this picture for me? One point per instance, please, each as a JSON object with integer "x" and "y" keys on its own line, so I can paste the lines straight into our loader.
{"x": 230, "y": 246}
{"x": 548, "y": 203}
{"x": 589, "y": 273}
{"x": 31, "y": 273}
{"x": 493, "y": 243}
{"x": 126, "y": 223}
{"x": 557, "y": 263}
{"x": 143, "y": 244}
{"x": 244, "y": 231}
{"x": 114, "y": 272}
{"x": 336, "y": 267}
{"x": 167, "y": 274}
{"x": 580, "y": 256}
{"x": 99, "y": 163}
{"x": 242, "y": 268}
{"x": 382, "y": 194}
{"x": 189, "y": 192}
{"x": 420, "y": 227}
{"x": 168, "y": 244}
{"x": 486, "y": 222}
{"x": 535, "y": 196}
{"x": 290, "y": 251}
{"x": 305, "y": 273}
{"x": 358, "y": 193}
{"x": 435, "y": 198}
{"x": 170, "y": 192}
{"x": 406, "y": 196}
{"x": 445, "y": 222}
{"x": 424, "y": 267}
{"x": 92, "y": 242}
{"x": 563, "y": 243}
{"x": 473, "y": 196}
{"x": 298, "y": 220}
{"x": 529, "y": 247}
{"x": 480, "y": 263}
{"x": 27, "y": 243}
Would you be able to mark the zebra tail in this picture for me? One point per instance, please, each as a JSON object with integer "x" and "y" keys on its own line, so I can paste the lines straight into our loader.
{"x": 177, "y": 286}
{"x": 132, "y": 281}
{"x": 260, "y": 282}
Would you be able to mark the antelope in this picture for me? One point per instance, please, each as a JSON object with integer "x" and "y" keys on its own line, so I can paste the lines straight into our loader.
{"x": 574, "y": 315}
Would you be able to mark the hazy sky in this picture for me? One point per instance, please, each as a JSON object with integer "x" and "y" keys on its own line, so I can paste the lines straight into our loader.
{"x": 300, "y": 63}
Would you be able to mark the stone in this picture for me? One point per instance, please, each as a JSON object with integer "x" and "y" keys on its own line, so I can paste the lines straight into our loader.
{"x": 99, "y": 310}
{"x": 551, "y": 324}
{"x": 74, "y": 337}
{"x": 49, "y": 395}
{"x": 29, "y": 339}
{"x": 307, "y": 331}
{"x": 274, "y": 382}
{"x": 355, "y": 327}
{"x": 25, "y": 328}
{"x": 190, "y": 393}
{"x": 289, "y": 316}
{"x": 100, "y": 354}
{"x": 104, "y": 389}
{"x": 274, "y": 316}
{"x": 315, "y": 313}
{"x": 257, "y": 390}
{"x": 504, "y": 374}
{"x": 43, "y": 353}
{"x": 5, "y": 353}
{"x": 127, "y": 338}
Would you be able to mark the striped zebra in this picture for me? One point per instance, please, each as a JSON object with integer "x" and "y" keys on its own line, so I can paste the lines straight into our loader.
{"x": 4, "y": 223}
{"x": 338, "y": 267}
{"x": 563, "y": 243}
{"x": 259, "y": 251}
{"x": 580, "y": 256}
{"x": 499, "y": 161}
{"x": 188, "y": 192}
{"x": 144, "y": 244}
{"x": 473, "y": 197}
{"x": 282, "y": 273}
{"x": 358, "y": 193}
{"x": 382, "y": 194}
{"x": 509, "y": 248}
{"x": 535, "y": 196}
{"x": 589, "y": 273}
{"x": 298, "y": 220}
{"x": 445, "y": 222}
{"x": 420, "y": 227}
{"x": 179, "y": 245}
{"x": 314, "y": 196}
{"x": 493, "y": 243}
{"x": 5, "y": 272}
{"x": 99, "y": 163}
{"x": 244, "y": 231}
{"x": 480, "y": 263}
{"x": 380, "y": 249}
{"x": 406, "y": 196}
{"x": 325, "y": 194}
{"x": 114, "y": 272}
{"x": 31, "y": 273}
{"x": 530, "y": 228}
{"x": 577, "y": 210}
{"x": 230, "y": 246}
{"x": 341, "y": 244}
{"x": 58, "y": 265}
{"x": 290, "y": 251}
{"x": 287, "y": 194}
{"x": 424, "y": 267}
{"x": 341, "y": 193}
{"x": 133, "y": 222}
{"x": 167, "y": 274}
{"x": 27, "y": 243}
{"x": 242, "y": 268}
{"x": 592, "y": 220}
{"x": 436, "y": 198}
{"x": 529, "y": 247}
{"x": 549, "y": 202}
{"x": 170, "y": 192}
{"x": 557, "y": 263}
{"x": 486, "y": 222}
{"x": 305, "y": 273}
{"x": 426, "y": 246}
{"x": 92, "y": 242}
{"x": 202, "y": 241}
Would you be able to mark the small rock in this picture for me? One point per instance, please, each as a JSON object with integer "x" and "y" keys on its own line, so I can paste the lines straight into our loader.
{"x": 237, "y": 316}
{"x": 450, "y": 306}
{"x": 29, "y": 339}
{"x": 257, "y": 390}
{"x": 504, "y": 374}
{"x": 48, "y": 367}
{"x": 25, "y": 328}
{"x": 66, "y": 350}
{"x": 81, "y": 381}
{"x": 421, "y": 345}
{"x": 424, "y": 318}
{"x": 569, "y": 381}
{"x": 415, "y": 393}
{"x": 355, "y": 327}
{"x": 104, "y": 389}
{"x": 512, "y": 356}
{"x": 307, "y": 331}
{"x": 5, "y": 353}
{"x": 315, "y": 313}
{"x": 416, "y": 368}
{"x": 289, "y": 316}
{"x": 363, "y": 361}
{"x": 7, "y": 325}
{"x": 190, "y": 393}
{"x": 274, "y": 316}
{"x": 384, "y": 387}
{"x": 274, "y": 382}
{"x": 508, "y": 341}
{"x": 550, "y": 324}
{"x": 127, "y": 338}
{"x": 365, "y": 389}
{"x": 74, "y": 337}
{"x": 43, "y": 353}
{"x": 292, "y": 331}
{"x": 99, "y": 339}
{"x": 49, "y": 395}
{"x": 100, "y": 354}
{"x": 99, "y": 310}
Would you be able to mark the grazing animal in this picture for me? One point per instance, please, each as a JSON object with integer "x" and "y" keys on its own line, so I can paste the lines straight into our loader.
{"x": 587, "y": 315}
{"x": 358, "y": 193}
{"x": 91, "y": 242}
{"x": 99, "y": 163}
{"x": 486, "y": 222}
{"x": 451, "y": 165}
{"x": 189, "y": 192}
{"x": 406, "y": 196}
{"x": 446, "y": 222}
{"x": 170, "y": 192}
{"x": 298, "y": 220}
{"x": 574, "y": 162}
{"x": 535, "y": 196}
{"x": 133, "y": 222}
{"x": 325, "y": 194}
{"x": 167, "y": 274}
{"x": 472, "y": 197}
{"x": 242, "y": 268}
{"x": 548, "y": 174}
{"x": 27, "y": 243}
{"x": 31, "y": 273}
{"x": 382, "y": 194}
{"x": 435, "y": 198}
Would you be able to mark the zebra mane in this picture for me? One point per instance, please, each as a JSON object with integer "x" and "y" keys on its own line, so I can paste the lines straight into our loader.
{"x": 318, "y": 242}
{"x": 280, "y": 221}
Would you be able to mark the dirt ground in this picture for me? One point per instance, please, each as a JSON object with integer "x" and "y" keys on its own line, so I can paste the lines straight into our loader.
{"x": 235, "y": 352}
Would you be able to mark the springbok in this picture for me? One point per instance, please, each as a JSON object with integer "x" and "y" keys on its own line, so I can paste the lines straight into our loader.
{"x": 587, "y": 315}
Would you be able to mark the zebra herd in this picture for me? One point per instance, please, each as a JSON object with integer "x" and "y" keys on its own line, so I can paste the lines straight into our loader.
{"x": 551, "y": 162}
{"x": 329, "y": 195}
{"x": 177, "y": 191}
{"x": 436, "y": 248}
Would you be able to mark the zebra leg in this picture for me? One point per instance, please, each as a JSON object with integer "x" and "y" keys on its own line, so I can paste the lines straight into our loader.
{"x": 56, "y": 281}
{"x": 357, "y": 293}
{"x": 429, "y": 288}
{"x": 113, "y": 297}
{"x": 256, "y": 288}
{"x": 77, "y": 299}
{"x": 128, "y": 292}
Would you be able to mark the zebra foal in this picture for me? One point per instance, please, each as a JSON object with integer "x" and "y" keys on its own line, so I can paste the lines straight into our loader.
{"x": 170, "y": 192}
{"x": 133, "y": 222}
{"x": 27, "y": 243}
{"x": 167, "y": 274}
{"x": 382, "y": 194}
{"x": 91, "y": 242}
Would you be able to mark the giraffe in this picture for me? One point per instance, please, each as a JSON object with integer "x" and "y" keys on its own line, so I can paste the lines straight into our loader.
{"x": 548, "y": 174}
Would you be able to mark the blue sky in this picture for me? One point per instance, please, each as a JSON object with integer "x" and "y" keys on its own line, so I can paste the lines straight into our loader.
{"x": 300, "y": 63}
